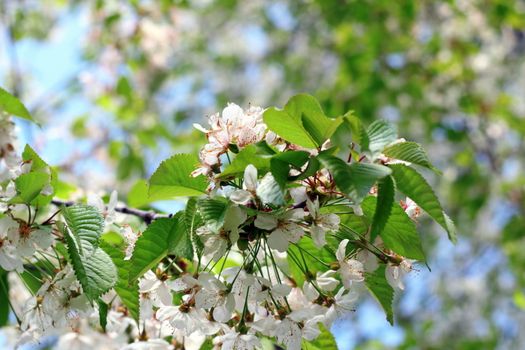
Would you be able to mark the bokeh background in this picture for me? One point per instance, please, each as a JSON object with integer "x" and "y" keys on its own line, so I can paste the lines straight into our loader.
{"x": 116, "y": 86}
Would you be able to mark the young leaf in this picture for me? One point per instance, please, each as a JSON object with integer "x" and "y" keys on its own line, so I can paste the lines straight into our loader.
{"x": 161, "y": 237}
{"x": 356, "y": 179}
{"x": 399, "y": 232}
{"x": 127, "y": 292}
{"x": 379, "y": 134}
{"x": 409, "y": 152}
{"x": 173, "y": 178}
{"x": 246, "y": 156}
{"x": 382, "y": 291}
{"x": 385, "y": 201}
{"x": 11, "y": 105}
{"x": 413, "y": 185}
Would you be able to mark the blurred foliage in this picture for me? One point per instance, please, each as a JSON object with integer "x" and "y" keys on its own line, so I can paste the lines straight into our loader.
{"x": 451, "y": 74}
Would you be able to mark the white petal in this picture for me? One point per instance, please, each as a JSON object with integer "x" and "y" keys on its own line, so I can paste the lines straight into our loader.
{"x": 341, "y": 250}
{"x": 250, "y": 178}
{"x": 265, "y": 221}
{"x": 240, "y": 196}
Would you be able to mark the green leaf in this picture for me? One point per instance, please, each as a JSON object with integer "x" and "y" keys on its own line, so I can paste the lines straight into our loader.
{"x": 409, "y": 152}
{"x": 385, "y": 200}
{"x": 40, "y": 166}
{"x": 93, "y": 267}
{"x": 382, "y": 291}
{"x": 379, "y": 134}
{"x": 302, "y": 122}
{"x": 4, "y": 297}
{"x": 355, "y": 179}
{"x": 399, "y": 233}
{"x": 306, "y": 250}
{"x": 29, "y": 186}
{"x": 37, "y": 163}
{"x": 127, "y": 292}
{"x": 173, "y": 178}
{"x": 179, "y": 242}
{"x": 414, "y": 186}
{"x": 245, "y": 157}
{"x": 281, "y": 163}
{"x": 325, "y": 341}
{"x": 96, "y": 272}
{"x": 193, "y": 220}
{"x": 161, "y": 236}
{"x": 213, "y": 211}
{"x": 86, "y": 224}
{"x": 11, "y": 105}
{"x": 102, "y": 313}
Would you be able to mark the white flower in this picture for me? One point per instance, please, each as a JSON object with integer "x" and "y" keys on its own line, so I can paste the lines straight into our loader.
{"x": 395, "y": 272}
{"x": 9, "y": 258}
{"x": 349, "y": 269}
{"x": 157, "y": 287}
{"x": 187, "y": 319}
{"x": 236, "y": 341}
{"x": 284, "y": 228}
{"x": 341, "y": 305}
{"x": 214, "y": 294}
{"x": 322, "y": 223}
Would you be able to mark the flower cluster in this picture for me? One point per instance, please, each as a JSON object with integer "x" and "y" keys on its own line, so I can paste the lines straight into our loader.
{"x": 283, "y": 238}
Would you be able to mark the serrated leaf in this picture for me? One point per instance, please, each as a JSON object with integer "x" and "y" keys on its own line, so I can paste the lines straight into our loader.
{"x": 161, "y": 236}
{"x": 213, "y": 211}
{"x": 173, "y": 178}
{"x": 325, "y": 341}
{"x": 40, "y": 166}
{"x": 385, "y": 200}
{"x": 93, "y": 267}
{"x": 246, "y": 156}
{"x": 95, "y": 271}
{"x": 382, "y": 291}
{"x": 11, "y": 105}
{"x": 127, "y": 292}
{"x": 411, "y": 152}
{"x": 86, "y": 224}
{"x": 355, "y": 179}
{"x": 179, "y": 242}
{"x": 414, "y": 186}
{"x": 378, "y": 135}
{"x": 302, "y": 122}
{"x": 399, "y": 233}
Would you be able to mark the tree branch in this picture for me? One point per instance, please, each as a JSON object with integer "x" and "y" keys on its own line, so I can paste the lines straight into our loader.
{"x": 147, "y": 216}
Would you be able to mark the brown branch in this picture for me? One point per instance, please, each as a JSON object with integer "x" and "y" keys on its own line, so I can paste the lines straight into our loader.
{"x": 147, "y": 216}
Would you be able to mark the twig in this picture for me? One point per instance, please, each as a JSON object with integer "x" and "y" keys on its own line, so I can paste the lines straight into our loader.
{"x": 147, "y": 216}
